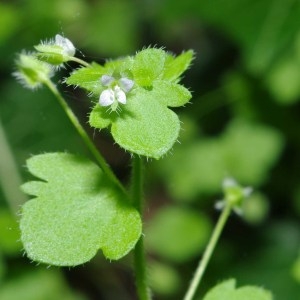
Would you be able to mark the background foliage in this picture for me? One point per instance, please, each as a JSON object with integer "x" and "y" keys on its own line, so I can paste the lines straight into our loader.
{"x": 244, "y": 122}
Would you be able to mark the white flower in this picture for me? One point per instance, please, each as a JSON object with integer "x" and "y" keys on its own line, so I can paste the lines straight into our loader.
{"x": 66, "y": 44}
{"x": 110, "y": 96}
{"x": 116, "y": 91}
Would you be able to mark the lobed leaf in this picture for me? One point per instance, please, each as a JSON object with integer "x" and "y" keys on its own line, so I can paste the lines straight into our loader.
{"x": 175, "y": 66}
{"x": 227, "y": 291}
{"x": 88, "y": 78}
{"x": 170, "y": 93}
{"x": 76, "y": 212}
{"x": 142, "y": 123}
{"x": 148, "y": 66}
{"x": 146, "y": 127}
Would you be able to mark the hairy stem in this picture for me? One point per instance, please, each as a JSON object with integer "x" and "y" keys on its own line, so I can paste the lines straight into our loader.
{"x": 139, "y": 250}
{"x": 208, "y": 253}
{"x": 87, "y": 140}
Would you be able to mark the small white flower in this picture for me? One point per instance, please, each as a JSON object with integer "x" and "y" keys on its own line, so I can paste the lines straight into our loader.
{"x": 116, "y": 91}
{"x": 110, "y": 96}
{"x": 234, "y": 195}
{"x": 66, "y": 44}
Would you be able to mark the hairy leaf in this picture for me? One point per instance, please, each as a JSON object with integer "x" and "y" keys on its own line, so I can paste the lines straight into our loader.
{"x": 142, "y": 123}
{"x": 175, "y": 66}
{"x": 87, "y": 77}
{"x": 148, "y": 66}
{"x": 227, "y": 291}
{"x": 76, "y": 212}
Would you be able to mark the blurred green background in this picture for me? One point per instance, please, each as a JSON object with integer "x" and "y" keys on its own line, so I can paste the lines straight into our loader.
{"x": 244, "y": 121}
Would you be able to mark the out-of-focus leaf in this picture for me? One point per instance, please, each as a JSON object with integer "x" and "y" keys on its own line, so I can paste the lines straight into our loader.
{"x": 163, "y": 279}
{"x": 38, "y": 285}
{"x": 284, "y": 80}
{"x": 263, "y": 29}
{"x": 2, "y": 268}
{"x": 33, "y": 121}
{"x": 9, "y": 234}
{"x": 9, "y": 21}
{"x": 177, "y": 234}
{"x": 255, "y": 208}
{"x": 296, "y": 270}
{"x": 250, "y": 150}
{"x": 270, "y": 263}
{"x": 112, "y": 27}
{"x": 76, "y": 212}
{"x": 244, "y": 151}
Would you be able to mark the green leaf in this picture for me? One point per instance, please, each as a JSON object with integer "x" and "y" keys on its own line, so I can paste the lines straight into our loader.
{"x": 148, "y": 66}
{"x": 88, "y": 78}
{"x": 170, "y": 94}
{"x": 143, "y": 124}
{"x": 177, "y": 234}
{"x": 227, "y": 291}
{"x": 121, "y": 66}
{"x": 175, "y": 66}
{"x": 76, "y": 212}
{"x": 146, "y": 127}
{"x": 100, "y": 117}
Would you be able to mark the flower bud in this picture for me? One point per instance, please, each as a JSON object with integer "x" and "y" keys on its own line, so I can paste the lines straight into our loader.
{"x": 32, "y": 72}
{"x": 57, "y": 51}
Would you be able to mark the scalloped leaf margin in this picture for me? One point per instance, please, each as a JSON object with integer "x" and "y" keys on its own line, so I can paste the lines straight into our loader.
{"x": 76, "y": 211}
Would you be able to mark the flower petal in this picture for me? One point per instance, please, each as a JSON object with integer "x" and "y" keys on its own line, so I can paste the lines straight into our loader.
{"x": 66, "y": 44}
{"x": 106, "y": 80}
{"x": 107, "y": 97}
{"x": 120, "y": 95}
{"x": 126, "y": 84}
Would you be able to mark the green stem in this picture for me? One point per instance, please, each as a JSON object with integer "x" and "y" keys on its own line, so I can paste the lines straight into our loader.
{"x": 80, "y": 61}
{"x": 208, "y": 252}
{"x": 87, "y": 140}
{"x": 139, "y": 250}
